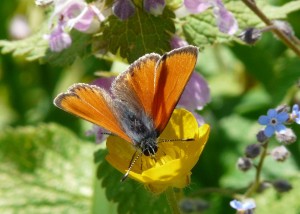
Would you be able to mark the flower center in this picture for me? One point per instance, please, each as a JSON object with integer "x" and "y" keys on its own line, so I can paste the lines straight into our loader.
{"x": 163, "y": 155}
{"x": 273, "y": 121}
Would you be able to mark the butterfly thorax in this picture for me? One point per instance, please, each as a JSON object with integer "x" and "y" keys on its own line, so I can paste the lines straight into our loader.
{"x": 139, "y": 127}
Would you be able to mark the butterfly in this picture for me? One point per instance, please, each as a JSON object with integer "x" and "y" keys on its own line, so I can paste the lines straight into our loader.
{"x": 141, "y": 101}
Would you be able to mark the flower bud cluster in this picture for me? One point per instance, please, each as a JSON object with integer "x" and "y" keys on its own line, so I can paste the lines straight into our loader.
{"x": 275, "y": 123}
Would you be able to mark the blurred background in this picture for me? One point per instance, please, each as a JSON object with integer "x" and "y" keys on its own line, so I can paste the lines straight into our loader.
{"x": 47, "y": 160}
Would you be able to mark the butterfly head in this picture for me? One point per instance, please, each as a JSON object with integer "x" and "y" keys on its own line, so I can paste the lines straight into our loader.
{"x": 149, "y": 146}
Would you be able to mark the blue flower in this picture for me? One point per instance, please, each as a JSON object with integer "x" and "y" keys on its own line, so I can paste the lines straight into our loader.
{"x": 274, "y": 121}
{"x": 243, "y": 206}
{"x": 296, "y": 114}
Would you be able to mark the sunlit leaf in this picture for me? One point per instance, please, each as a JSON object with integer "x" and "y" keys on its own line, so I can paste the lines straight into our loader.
{"x": 44, "y": 169}
{"x": 36, "y": 47}
{"x": 201, "y": 29}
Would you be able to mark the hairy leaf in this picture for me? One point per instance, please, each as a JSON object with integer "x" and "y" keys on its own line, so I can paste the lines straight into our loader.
{"x": 201, "y": 29}
{"x": 36, "y": 47}
{"x": 140, "y": 34}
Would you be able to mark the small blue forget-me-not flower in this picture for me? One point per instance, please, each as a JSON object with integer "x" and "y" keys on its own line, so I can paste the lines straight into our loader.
{"x": 296, "y": 113}
{"x": 243, "y": 206}
{"x": 274, "y": 121}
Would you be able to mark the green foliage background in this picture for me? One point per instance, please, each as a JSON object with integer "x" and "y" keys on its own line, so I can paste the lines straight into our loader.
{"x": 46, "y": 160}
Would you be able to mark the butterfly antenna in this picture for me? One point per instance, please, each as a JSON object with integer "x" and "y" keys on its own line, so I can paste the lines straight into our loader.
{"x": 132, "y": 162}
{"x": 108, "y": 133}
{"x": 174, "y": 140}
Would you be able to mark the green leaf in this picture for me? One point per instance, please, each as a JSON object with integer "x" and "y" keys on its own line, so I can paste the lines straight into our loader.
{"x": 45, "y": 169}
{"x": 247, "y": 18}
{"x": 36, "y": 47}
{"x": 201, "y": 29}
{"x": 246, "y": 104}
{"x": 32, "y": 48}
{"x": 99, "y": 155}
{"x": 143, "y": 33}
{"x": 130, "y": 196}
{"x": 276, "y": 73}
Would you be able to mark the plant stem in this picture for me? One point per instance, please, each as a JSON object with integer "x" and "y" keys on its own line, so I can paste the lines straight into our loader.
{"x": 209, "y": 190}
{"x": 172, "y": 200}
{"x": 256, "y": 182}
{"x": 251, "y": 4}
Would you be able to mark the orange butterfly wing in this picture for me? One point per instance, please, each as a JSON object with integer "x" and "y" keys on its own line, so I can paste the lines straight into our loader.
{"x": 92, "y": 104}
{"x": 171, "y": 76}
{"x": 136, "y": 84}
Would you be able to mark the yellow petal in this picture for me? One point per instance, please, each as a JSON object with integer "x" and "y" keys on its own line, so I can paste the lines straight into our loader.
{"x": 172, "y": 163}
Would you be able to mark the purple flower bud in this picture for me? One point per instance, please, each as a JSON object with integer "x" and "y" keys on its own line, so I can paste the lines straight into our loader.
{"x": 244, "y": 164}
{"x": 252, "y": 151}
{"x": 285, "y": 27}
{"x": 71, "y": 14}
{"x": 282, "y": 186}
{"x": 225, "y": 19}
{"x": 155, "y": 7}
{"x": 261, "y": 137}
{"x": 177, "y": 42}
{"x": 81, "y": 17}
{"x": 250, "y": 35}
{"x": 283, "y": 108}
{"x": 280, "y": 153}
{"x": 58, "y": 39}
{"x": 197, "y": 6}
{"x": 104, "y": 82}
{"x": 263, "y": 186}
{"x": 123, "y": 9}
{"x": 286, "y": 136}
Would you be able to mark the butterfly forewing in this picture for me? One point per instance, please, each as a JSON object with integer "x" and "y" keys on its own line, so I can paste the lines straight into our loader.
{"x": 171, "y": 76}
{"x": 93, "y": 104}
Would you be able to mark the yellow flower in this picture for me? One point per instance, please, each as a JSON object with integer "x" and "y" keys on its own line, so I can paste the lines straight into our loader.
{"x": 172, "y": 164}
